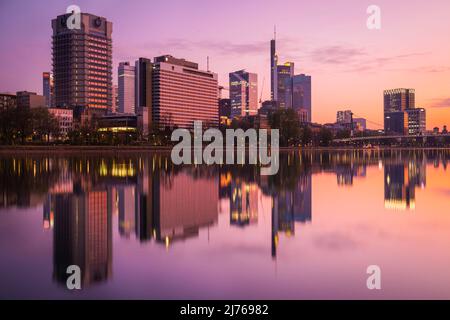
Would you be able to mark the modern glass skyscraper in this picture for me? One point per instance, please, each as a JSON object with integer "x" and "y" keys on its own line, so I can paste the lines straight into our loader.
{"x": 243, "y": 93}
{"x": 273, "y": 70}
{"x": 298, "y": 94}
{"x": 126, "y": 74}
{"x": 143, "y": 86}
{"x": 284, "y": 74}
{"x": 82, "y": 63}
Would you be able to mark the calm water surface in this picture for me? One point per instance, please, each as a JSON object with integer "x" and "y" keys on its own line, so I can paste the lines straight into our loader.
{"x": 140, "y": 227}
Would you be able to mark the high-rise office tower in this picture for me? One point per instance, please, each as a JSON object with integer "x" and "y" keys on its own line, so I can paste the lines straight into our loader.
{"x": 243, "y": 93}
{"x": 273, "y": 70}
{"x": 143, "y": 92}
{"x": 182, "y": 94}
{"x": 48, "y": 88}
{"x": 126, "y": 74}
{"x": 396, "y": 102}
{"x": 284, "y": 73}
{"x": 82, "y": 64}
{"x": 143, "y": 86}
{"x": 298, "y": 94}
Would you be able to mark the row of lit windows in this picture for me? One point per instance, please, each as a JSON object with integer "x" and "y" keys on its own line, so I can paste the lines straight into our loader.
{"x": 97, "y": 39}
{"x": 91, "y": 100}
{"x": 186, "y": 95}
{"x": 96, "y": 78}
{"x": 98, "y": 89}
{"x": 195, "y": 90}
{"x": 98, "y": 56}
{"x": 102, "y": 68}
{"x": 98, "y": 95}
{"x": 98, "y": 84}
{"x": 98, "y": 73}
{"x": 92, "y": 50}
{"x": 181, "y": 78}
{"x": 104, "y": 63}
{"x": 97, "y": 44}
{"x": 100, "y": 106}
{"x": 193, "y": 102}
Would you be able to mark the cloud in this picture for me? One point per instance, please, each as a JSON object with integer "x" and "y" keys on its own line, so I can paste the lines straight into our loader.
{"x": 336, "y": 54}
{"x": 440, "y": 103}
{"x": 354, "y": 59}
{"x": 432, "y": 69}
{"x": 219, "y": 48}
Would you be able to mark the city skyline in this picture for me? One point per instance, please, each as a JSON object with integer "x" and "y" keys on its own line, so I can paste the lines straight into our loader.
{"x": 337, "y": 52}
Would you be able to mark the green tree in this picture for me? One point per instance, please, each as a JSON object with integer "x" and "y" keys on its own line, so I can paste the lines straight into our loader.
{"x": 44, "y": 124}
{"x": 288, "y": 122}
{"x": 325, "y": 137}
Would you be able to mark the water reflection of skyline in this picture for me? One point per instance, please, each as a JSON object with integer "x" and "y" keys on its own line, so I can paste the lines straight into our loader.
{"x": 152, "y": 200}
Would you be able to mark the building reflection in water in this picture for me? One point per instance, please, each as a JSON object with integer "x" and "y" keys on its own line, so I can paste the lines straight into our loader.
{"x": 155, "y": 201}
{"x": 289, "y": 207}
{"x": 401, "y": 178}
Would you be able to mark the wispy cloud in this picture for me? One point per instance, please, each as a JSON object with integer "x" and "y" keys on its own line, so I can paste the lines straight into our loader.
{"x": 440, "y": 103}
{"x": 349, "y": 58}
{"x": 220, "y": 48}
{"x": 336, "y": 54}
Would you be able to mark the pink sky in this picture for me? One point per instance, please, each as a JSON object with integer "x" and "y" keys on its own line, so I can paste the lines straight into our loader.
{"x": 349, "y": 64}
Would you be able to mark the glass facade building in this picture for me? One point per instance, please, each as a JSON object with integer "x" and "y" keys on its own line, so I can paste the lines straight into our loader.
{"x": 284, "y": 75}
{"x": 298, "y": 94}
{"x": 243, "y": 93}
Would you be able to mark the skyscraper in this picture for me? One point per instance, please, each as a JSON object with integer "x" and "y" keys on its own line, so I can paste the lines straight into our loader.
{"x": 273, "y": 70}
{"x": 126, "y": 74}
{"x": 243, "y": 93}
{"x": 287, "y": 89}
{"x": 182, "y": 94}
{"x": 396, "y": 102}
{"x": 48, "y": 88}
{"x": 82, "y": 64}
{"x": 284, "y": 74}
{"x": 298, "y": 94}
{"x": 143, "y": 82}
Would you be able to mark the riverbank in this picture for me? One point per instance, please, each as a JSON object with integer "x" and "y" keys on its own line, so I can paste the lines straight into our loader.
{"x": 18, "y": 149}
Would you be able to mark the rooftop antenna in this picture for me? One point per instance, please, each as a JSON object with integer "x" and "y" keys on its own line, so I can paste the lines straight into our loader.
{"x": 207, "y": 63}
{"x": 275, "y": 32}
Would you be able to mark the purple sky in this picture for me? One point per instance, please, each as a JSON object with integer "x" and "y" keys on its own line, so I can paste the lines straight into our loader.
{"x": 350, "y": 64}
